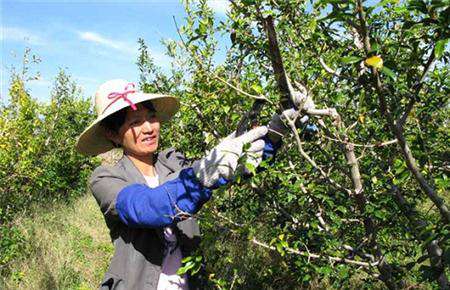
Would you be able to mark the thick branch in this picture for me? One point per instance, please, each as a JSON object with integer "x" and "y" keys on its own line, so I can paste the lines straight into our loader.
{"x": 363, "y": 26}
{"x": 284, "y": 87}
{"x": 384, "y": 268}
{"x": 283, "y": 83}
{"x": 433, "y": 249}
{"x": 407, "y": 154}
{"x": 398, "y": 130}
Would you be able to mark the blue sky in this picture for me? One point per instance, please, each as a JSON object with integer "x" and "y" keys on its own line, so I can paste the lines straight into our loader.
{"x": 93, "y": 40}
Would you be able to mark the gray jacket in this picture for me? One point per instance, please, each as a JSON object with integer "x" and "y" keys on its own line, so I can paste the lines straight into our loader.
{"x": 138, "y": 255}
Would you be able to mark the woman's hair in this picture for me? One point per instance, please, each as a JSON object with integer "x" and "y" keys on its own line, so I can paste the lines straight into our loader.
{"x": 116, "y": 120}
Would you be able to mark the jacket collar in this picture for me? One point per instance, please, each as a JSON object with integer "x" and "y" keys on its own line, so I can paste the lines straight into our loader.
{"x": 134, "y": 175}
{"x": 131, "y": 171}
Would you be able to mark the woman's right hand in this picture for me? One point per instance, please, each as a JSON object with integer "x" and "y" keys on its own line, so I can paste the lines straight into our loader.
{"x": 222, "y": 161}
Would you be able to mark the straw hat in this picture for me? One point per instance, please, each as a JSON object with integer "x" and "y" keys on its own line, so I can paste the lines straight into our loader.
{"x": 112, "y": 96}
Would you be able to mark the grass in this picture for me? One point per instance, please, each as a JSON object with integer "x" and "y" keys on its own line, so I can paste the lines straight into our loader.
{"x": 67, "y": 246}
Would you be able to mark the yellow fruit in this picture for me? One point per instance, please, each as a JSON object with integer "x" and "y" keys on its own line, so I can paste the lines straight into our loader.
{"x": 361, "y": 119}
{"x": 375, "y": 61}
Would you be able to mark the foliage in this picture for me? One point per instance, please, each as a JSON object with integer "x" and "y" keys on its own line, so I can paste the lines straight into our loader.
{"x": 303, "y": 221}
{"x": 378, "y": 64}
{"x": 38, "y": 160}
{"x": 67, "y": 246}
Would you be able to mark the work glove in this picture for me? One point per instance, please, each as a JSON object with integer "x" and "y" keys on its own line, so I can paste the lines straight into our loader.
{"x": 278, "y": 125}
{"x": 222, "y": 160}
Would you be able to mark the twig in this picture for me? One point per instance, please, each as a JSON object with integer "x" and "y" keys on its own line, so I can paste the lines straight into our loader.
{"x": 204, "y": 121}
{"x": 214, "y": 75}
{"x": 216, "y": 212}
{"x": 412, "y": 99}
{"x": 310, "y": 160}
{"x": 310, "y": 255}
{"x": 349, "y": 152}
{"x": 260, "y": 97}
{"x": 321, "y": 220}
{"x": 327, "y": 68}
{"x": 375, "y": 145}
{"x": 307, "y": 254}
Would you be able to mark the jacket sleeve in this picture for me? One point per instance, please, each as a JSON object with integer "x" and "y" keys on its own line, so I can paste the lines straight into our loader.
{"x": 138, "y": 205}
{"x": 105, "y": 184}
{"x": 270, "y": 148}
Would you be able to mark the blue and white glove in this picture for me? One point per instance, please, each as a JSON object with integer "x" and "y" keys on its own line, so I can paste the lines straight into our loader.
{"x": 221, "y": 163}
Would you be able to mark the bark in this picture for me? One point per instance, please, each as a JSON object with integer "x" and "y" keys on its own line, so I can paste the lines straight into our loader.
{"x": 434, "y": 251}
{"x": 287, "y": 102}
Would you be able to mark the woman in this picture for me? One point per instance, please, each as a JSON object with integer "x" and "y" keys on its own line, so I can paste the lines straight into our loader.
{"x": 148, "y": 197}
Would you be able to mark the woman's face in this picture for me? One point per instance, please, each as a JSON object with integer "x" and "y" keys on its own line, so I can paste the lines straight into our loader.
{"x": 139, "y": 134}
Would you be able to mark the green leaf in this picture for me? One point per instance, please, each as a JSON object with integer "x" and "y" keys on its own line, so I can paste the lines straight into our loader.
{"x": 350, "y": 59}
{"x": 246, "y": 147}
{"x": 257, "y": 88}
{"x": 418, "y": 5}
{"x": 386, "y": 2}
{"x": 374, "y": 48}
{"x": 388, "y": 72}
{"x": 342, "y": 209}
{"x": 440, "y": 47}
{"x": 251, "y": 168}
{"x": 187, "y": 259}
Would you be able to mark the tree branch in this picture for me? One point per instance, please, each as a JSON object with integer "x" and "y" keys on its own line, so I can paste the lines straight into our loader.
{"x": 307, "y": 254}
{"x": 327, "y": 68}
{"x": 417, "y": 87}
{"x": 214, "y": 75}
{"x": 398, "y": 130}
{"x": 284, "y": 87}
{"x": 434, "y": 251}
{"x": 283, "y": 83}
{"x": 291, "y": 124}
{"x": 310, "y": 255}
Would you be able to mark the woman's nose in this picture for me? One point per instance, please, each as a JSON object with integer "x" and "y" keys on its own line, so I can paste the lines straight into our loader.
{"x": 147, "y": 126}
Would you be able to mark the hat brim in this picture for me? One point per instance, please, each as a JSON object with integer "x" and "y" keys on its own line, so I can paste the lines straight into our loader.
{"x": 93, "y": 140}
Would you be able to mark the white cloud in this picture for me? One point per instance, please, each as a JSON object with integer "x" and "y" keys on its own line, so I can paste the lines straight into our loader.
{"x": 96, "y": 38}
{"x": 41, "y": 82}
{"x": 126, "y": 48}
{"x": 20, "y": 35}
{"x": 219, "y": 6}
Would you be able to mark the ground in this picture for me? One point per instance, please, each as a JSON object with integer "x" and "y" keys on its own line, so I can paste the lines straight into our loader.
{"x": 67, "y": 246}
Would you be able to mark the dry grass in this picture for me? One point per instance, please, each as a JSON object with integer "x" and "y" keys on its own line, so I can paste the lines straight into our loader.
{"x": 67, "y": 246}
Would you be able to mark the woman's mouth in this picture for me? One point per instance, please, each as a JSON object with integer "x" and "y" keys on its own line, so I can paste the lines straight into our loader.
{"x": 149, "y": 140}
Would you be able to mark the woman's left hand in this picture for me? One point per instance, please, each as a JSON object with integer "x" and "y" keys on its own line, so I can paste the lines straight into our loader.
{"x": 222, "y": 161}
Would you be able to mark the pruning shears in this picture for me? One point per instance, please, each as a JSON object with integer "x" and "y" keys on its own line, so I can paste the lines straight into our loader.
{"x": 288, "y": 99}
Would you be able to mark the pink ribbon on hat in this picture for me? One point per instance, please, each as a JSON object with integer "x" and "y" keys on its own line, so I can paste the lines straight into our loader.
{"x": 115, "y": 96}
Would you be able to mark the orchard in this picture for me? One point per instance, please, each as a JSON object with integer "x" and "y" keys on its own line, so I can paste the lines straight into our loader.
{"x": 358, "y": 195}
{"x": 361, "y": 203}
